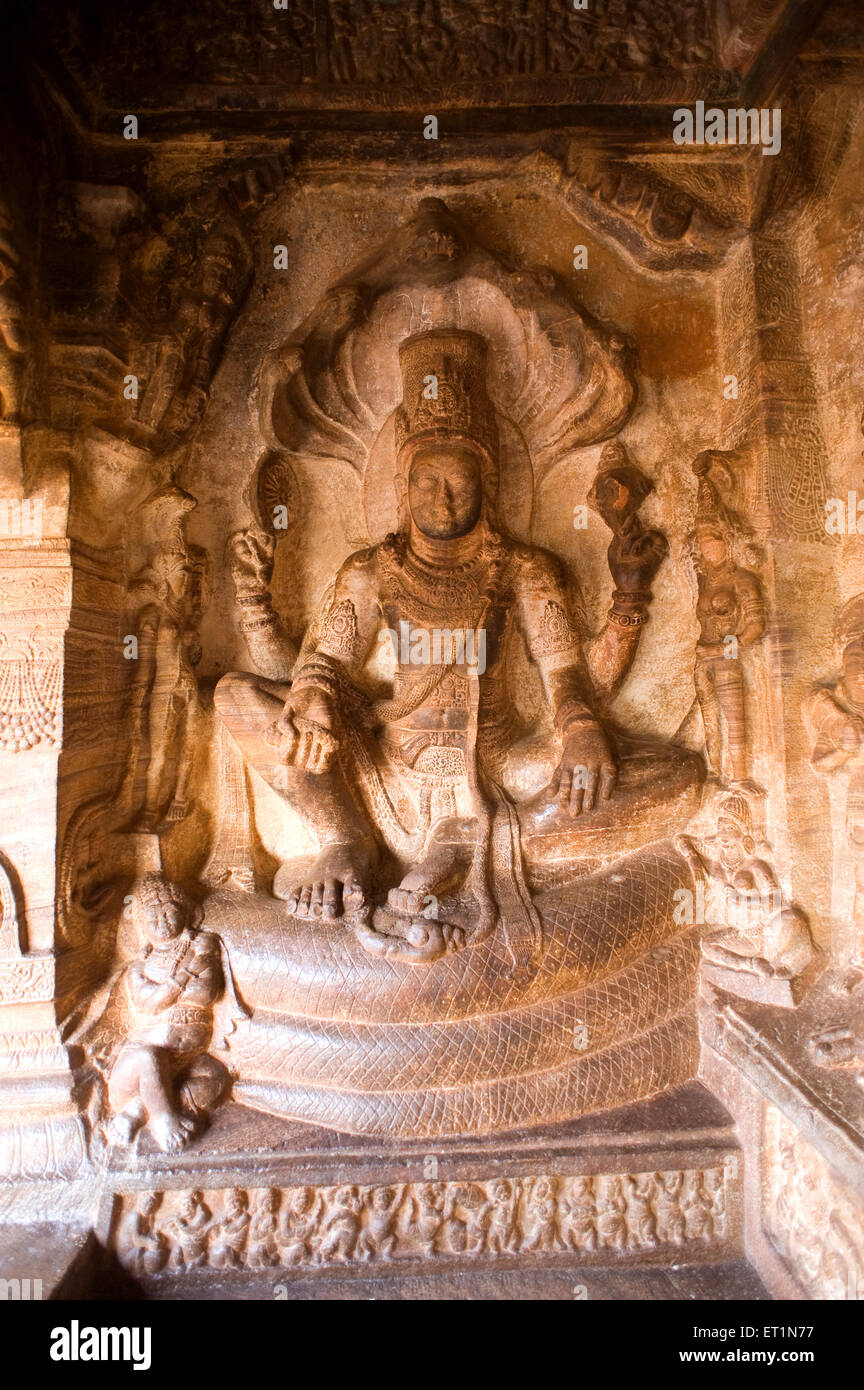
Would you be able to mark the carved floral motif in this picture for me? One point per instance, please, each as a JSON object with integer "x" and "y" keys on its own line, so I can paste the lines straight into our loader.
{"x": 31, "y": 978}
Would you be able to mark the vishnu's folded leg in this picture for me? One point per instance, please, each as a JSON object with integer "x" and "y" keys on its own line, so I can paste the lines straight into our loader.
{"x": 340, "y": 878}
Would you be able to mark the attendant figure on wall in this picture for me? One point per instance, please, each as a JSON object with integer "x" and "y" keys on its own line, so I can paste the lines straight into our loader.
{"x": 834, "y": 716}
{"x": 731, "y": 612}
{"x": 167, "y": 596}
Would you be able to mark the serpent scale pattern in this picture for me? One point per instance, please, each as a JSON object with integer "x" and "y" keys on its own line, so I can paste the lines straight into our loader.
{"x": 355, "y": 1056}
{"x": 635, "y": 1070}
{"x": 605, "y": 1014}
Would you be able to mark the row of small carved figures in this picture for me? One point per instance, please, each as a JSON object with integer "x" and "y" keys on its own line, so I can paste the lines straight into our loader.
{"x": 373, "y": 41}
{"x": 379, "y": 41}
{"x": 306, "y": 1225}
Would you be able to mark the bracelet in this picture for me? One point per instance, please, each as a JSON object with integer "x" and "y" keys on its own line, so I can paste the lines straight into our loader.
{"x": 627, "y": 619}
{"x": 267, "y": 620}
{"x": 317, "y": 673}
{"x": 638, "y": 597}
{"x": 573, "y": 713}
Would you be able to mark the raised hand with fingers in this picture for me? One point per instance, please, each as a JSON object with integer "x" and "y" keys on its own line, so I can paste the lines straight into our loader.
{"x": 303, "y": 735}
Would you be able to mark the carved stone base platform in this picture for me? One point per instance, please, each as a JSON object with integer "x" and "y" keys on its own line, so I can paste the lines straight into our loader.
{"x": 263, "y": 1205}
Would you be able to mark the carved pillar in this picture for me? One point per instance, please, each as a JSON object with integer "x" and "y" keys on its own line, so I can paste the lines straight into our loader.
{"x": 40, "y": 1135}
{"x": 59, "y": 670}
{"x": 775, "y": 422}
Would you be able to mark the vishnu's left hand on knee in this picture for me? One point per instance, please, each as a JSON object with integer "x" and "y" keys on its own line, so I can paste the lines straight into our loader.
{"x": 587, "y": 772}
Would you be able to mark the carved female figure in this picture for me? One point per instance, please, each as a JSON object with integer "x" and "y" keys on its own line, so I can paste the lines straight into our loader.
{"x": 541, "y": 1217}
{"x": 580, "y": 1209}
{"x": 141, "y": 1246}
{"x": 166, "y": 598}
{"x": 502, "y": 1232}
{"x": 428, "y": 1216}
{"x": 671, "y": 1224}
{"x": 641, "y": 1221}
{"x": 261, "y": 1250}
{"x": 714, "y": 1183}
{"x": 378, "y": 1237}
{"x": 731, "y": 613}
{"x": 464, "y": 1218}
{"x": 340, "y": 1227}
{"x": 698, "y": 1207}
{"x": 612, "y": 1214}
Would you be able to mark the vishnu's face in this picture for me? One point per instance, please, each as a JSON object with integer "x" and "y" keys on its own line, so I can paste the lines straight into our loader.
{"x": 445, "y": 491}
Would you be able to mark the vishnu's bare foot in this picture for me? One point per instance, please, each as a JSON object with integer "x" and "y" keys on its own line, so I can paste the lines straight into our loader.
{"x": 122, "y": 1128}
{"x": 337, "y": 882}
{"x": 446, "y": 859}
{"x": 171, "y": 1132}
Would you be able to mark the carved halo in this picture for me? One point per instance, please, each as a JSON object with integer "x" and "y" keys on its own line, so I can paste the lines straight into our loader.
{"x": 557, "y": 381}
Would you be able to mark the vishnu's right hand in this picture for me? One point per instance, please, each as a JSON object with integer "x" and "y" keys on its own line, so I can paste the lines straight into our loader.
{"x": 303, "y": 736}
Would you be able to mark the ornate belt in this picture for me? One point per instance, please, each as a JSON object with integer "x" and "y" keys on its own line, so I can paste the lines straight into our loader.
{"x": 411, "y": 744}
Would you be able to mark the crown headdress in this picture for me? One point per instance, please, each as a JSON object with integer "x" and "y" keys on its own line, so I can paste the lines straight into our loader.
{"x": 737, "y": 808}
{"x": 715, "y": 491}
{"x": 444, "y": 396}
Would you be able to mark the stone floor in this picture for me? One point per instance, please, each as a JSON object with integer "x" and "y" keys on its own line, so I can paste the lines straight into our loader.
{"x": 47, "y": 1260}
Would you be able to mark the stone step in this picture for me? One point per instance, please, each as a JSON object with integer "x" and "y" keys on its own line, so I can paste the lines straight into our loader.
{"x": 726, "y": 1281}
